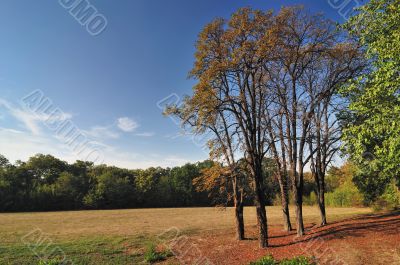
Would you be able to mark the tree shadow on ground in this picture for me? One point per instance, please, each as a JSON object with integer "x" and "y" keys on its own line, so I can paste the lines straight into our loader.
{"x": 388, "y": 223}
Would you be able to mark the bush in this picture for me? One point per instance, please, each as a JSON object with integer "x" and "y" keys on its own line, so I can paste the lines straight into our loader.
{"x": 310, "y": 200}
{"x": 152, "y": 255}
{"x": 51, "y": 262}
{"x": 278, "y": 201}
{"x": 346, "y": 195}
{"x": 269, "y": 260}
{"x": 298, "y": 261}
{"x": 390, "y": 200}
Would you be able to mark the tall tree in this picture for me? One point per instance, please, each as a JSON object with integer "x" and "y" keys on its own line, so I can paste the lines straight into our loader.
{"x": 203, "y": 115}
{"x": 229, "y": 73}
{"x": 372, "y": 125}
{"x": 276, "y": 133}
{"x": 326, "y": 74}
{"x": 300, "y": 38}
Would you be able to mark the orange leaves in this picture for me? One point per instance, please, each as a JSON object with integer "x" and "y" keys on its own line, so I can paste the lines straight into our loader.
{"x": 222, "y": 46}
{"x": 212, "y": 178}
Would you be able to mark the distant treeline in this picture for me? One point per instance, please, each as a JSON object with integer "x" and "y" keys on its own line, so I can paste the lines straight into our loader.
{"x": 45, "y": 183}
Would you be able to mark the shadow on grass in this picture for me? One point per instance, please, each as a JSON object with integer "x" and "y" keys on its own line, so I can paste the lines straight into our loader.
{"x": 388, "y": 223}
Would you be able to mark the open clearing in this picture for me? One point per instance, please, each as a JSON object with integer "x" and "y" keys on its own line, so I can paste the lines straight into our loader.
{"x": 120, "y": 236}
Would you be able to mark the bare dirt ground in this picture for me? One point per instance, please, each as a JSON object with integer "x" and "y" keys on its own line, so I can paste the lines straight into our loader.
{"x": 368, "y": 239}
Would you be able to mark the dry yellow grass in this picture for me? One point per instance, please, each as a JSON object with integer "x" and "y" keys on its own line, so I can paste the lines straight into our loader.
{"x": 139, "y": 222}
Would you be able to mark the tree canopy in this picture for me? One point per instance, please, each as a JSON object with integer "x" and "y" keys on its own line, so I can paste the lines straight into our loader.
{"x": 372, "y": 122}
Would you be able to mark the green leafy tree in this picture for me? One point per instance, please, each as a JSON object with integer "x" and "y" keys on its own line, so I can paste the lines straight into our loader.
{"x": 45, "y": 168}
{"x": 372, "y": 124}
{"x": 70, "y": 190}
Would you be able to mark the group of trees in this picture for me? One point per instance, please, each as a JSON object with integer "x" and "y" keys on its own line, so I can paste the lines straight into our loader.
{"x": 288, "y": 86}
{"x": 267, "y": 86}
{"x": 278, "y": 94}
{"x": 45, "y": 183}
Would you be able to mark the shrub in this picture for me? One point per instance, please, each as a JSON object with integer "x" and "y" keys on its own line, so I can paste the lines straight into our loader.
{"x": 278, "y": 202}
{"x": 390, "y": 200}
{"x": 297, "y": 261}
{"x": 51, "y": 262}
{"x": 310, "y": 200}
{"x": 152, "y": 255}
{"x": 346, "y": 195}
{"x": 269, "y": 260}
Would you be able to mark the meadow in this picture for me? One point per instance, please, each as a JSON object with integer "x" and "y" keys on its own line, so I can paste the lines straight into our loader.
{"x": 121, "y": 236}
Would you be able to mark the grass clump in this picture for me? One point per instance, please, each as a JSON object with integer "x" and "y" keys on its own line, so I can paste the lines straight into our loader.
{"x": 269, "y": 260}
{"x": 297, "y": 261}
{"x": 52, "y": 262}
{"x": 152, "y": 255}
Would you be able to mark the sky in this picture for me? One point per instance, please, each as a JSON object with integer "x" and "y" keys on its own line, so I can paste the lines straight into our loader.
{"x": 107, "y": 76}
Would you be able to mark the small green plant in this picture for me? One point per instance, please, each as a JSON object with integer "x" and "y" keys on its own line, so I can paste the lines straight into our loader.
{"x": 297, "y": 261}
{"x": 269, "y": 260}
{"x": 152, "y": 255}
{"x": 50, "y": 262}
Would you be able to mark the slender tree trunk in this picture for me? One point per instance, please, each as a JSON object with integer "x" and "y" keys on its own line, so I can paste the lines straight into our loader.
{"x": 298, "y": 196}
{"x": 261, "y": 218}
{"x": 286, "y": 214}
{"x": 260, "y": 208}
{"x": 283, "y": 185}
{"x": 299, "y": 212}
{"x": 238, "y": 201}
{"x": 321, "y": 203}
{"x": 319, "y": 179}
{"x": 239, "y": 222}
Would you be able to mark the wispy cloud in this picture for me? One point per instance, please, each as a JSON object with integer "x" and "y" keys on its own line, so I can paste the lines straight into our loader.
{"x": 111, "y": 132}
{"x": 102, "y": 132}
{"x": 32, "y": 121}
{"x": 10, "y": 130}
{"x": 174, "y": 136}
{"x": 18, "y": 145}
{"x": 126, "y": 124}
{"x": 145, "y": 134}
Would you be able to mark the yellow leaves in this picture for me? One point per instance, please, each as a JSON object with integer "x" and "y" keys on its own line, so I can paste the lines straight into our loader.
{"x": 216, "y": 176}
{"x": 222, "y": 46}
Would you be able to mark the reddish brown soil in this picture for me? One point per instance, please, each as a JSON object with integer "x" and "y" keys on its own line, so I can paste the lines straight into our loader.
{"x": 371, "y": 239}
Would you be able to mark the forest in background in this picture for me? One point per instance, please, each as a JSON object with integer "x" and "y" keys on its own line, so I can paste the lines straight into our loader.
{"x": 45, "y": 183}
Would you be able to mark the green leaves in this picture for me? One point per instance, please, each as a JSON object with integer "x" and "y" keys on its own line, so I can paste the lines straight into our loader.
{"x": 374, "y": 128}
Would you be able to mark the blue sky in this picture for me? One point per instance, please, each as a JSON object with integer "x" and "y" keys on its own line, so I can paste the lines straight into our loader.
{"x": 107, "y": 85}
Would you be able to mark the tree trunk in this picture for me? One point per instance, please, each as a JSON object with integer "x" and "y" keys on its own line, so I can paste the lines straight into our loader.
{"x": 320, "y": 181}
{"x": 299, "y": 212}
{"x": 239, "y": 222}
{"x": 321, "y": 204}
{"x": 286, "y": 214}
{"x": 285, "y": 203}
{"x": 284, "y": 179}
{"x": 238, "y": 201}
{"x": 261, "y": 212}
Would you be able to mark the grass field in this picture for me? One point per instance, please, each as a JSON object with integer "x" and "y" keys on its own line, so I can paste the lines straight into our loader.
{"x": 120, "y": 236}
